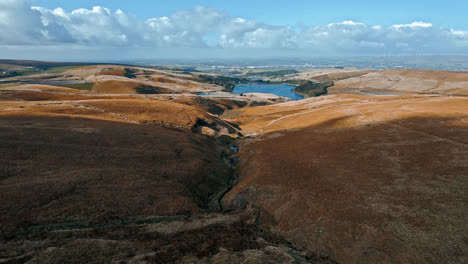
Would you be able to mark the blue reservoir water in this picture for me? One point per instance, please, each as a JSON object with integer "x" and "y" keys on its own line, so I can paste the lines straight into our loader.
{"x": 278, "y": 89}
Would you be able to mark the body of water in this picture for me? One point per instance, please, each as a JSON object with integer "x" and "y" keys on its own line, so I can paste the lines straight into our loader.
{"x": 278, "y": 89}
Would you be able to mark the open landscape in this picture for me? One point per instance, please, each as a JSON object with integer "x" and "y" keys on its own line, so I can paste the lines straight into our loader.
{"x": 138, "y": 167}
{"x": 243, "y": 132}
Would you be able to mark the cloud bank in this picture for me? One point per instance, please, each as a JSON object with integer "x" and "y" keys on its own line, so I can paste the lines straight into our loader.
{"x": 205, "y": 28}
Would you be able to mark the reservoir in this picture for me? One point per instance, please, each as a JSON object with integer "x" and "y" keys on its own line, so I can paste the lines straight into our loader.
{"x": 277, "y": 89}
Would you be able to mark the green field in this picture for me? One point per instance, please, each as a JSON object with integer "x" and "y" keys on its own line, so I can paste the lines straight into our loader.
{"x": 8, "y": 85}
{"x": 62, "y": 69}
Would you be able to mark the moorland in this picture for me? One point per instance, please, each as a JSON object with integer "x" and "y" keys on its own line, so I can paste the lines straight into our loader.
{"x": 108, "y": 163}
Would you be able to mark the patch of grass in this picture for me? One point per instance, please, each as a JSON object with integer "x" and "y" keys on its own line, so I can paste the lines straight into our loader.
{"x": 62, "y": 69}
{"x": 232, "y": 114}
{"x": 7, "y": 85}
{"x": 312, "y": 89}
{"x": 80, "y": 86}
{"x": 20, "y": 73}
{"x": 129, "y": 73}
{"x": 31, "y": 72}
{"x": 227, "y": 82}
{"x": 270, "y": 73}
{"x": 145, "y": 89}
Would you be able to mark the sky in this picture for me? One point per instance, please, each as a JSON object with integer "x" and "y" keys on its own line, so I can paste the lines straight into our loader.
{"x": 113, "y": 30}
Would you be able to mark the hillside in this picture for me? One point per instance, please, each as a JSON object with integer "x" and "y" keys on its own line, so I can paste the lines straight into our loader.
{"x": 116, "y": 174}
{"x": 113, "y": 163}
{"x": 364, "y": 179}
{"x": 416, "y": 81}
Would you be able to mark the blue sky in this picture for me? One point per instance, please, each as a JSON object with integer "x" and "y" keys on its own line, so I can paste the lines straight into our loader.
{"x": 132, "y": 30}
{"x": 451, "y": 13}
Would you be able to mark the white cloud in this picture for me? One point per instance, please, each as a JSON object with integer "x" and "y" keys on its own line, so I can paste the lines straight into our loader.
{"x": 349, "y": 22}
{"x": 459, "y": 33}
{"x": 414, "y": 25}
{"x": 18, "y": 23}
{"x": 205, "y": 27}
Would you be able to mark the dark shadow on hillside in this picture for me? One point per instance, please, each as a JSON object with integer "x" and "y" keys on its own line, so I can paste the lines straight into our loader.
{"x": 77, "y": 190}
{"x": 383, "y": 192}
{"x": 55, "y": 169}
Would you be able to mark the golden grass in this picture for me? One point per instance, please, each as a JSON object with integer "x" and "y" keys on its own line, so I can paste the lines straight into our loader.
{"x": 446, "y": 76}
{"x": 9, "y": 85}
{"x": 415, "y": 81}
{"x": 379, "y": 166}
{"x": 80, "y": 86}
{"x": 50, "y": 88}
{"x": 113, "y": 72}
{"x": 130, "y": 109}
{"x": 152, "y": 111}
{"x": 126, "y": 87}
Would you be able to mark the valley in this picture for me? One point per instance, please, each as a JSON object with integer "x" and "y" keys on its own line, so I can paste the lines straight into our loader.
{"x": 129, "y": 164}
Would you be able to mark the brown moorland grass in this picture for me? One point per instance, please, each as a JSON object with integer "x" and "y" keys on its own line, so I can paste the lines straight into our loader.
{"x": 164, "y": 80}
{"x": 52, "y": 109}
{"x": 57, "y": 93}
{"x": 152, "y": 111}
{"x": 181, "y": 81}
{"x": 133, "y": 109}
{"x": 212, "y": 105}
{"x": 57, "y": 168}
{"x": 359, "y": 178}
{"x": 96, "y": 191}
{"x": 368, "y": 182}
{"x": 336, "y": 76}
{"x": 47, "y": 96}
{"x": 40, "y": 87}
{"x": 253, "y": 119}
{"x": 212, "y": 238}
{"x": 114, "y": 72}
{"x": 80, "y": 86}
{"x": 418, "y": 81}
{"x": 127, "y": 87}
{"x": 451, "y": 76}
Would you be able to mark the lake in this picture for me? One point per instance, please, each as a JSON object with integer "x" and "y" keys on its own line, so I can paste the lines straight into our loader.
{"x": 277, "y": 89}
